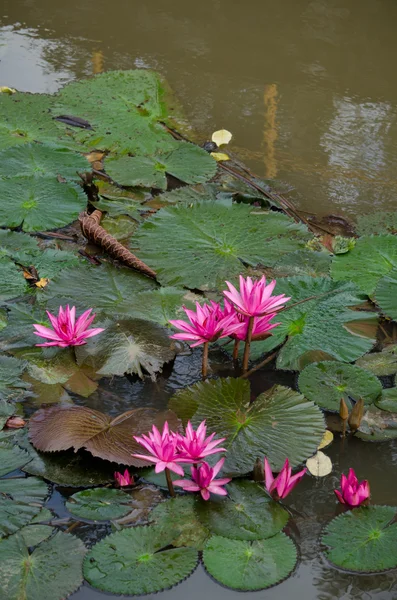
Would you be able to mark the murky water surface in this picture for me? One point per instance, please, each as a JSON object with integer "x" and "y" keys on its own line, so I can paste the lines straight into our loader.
{"x": 309, "y": 91}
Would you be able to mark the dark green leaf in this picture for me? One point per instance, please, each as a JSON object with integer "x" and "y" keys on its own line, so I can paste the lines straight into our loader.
{"x": 38, "y": 160}
{"x": 99, "y": 504}
{"x": 177, "y": 515}
{"x": 380, "y": 363}
{"x": 386, "y": 294}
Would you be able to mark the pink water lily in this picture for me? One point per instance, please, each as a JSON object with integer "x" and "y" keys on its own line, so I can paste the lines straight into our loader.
{"x": 207, "y": 324}
{"x": 162, "y": 448}
{"x": 352, "y": 492}
{"x": 203, "y": 480}
{"x": 195, "y": 446}
{"x": 255, "y": 297}
{"x": 66, "y": 330}
{"x": 279, "y": 487}
{"x": 124, "y": 479}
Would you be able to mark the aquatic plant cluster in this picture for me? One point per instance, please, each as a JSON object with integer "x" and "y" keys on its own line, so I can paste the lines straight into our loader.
{"x": 198, "y": 271}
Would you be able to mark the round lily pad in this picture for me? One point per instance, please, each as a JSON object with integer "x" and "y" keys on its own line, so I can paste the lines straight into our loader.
{"x": 363, "y": 539}
{"x": 51, "y": 572}
{"x": 138, "y": 561}
{"x": 246, "y": 514}
{"x": 386, "y": 294}
{"x": 248, "y": 566}
{"x": 12, "y": 458}
{"x": 178, "y": 515}
{"x": 327, "y": 382}
{"x": 388, "y": 400}
{"x": 99, "y": 504}
{"x": 380, "y": 363}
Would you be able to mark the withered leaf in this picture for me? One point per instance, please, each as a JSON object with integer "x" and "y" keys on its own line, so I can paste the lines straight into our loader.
{"x": 60, "y": 428}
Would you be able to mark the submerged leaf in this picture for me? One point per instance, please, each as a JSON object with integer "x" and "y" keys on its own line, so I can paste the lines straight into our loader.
{"x": 178, "y": 515}
{"x": 99, "y": 504}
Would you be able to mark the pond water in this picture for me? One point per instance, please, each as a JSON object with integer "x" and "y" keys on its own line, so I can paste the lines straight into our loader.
{"x": 308, "y": 90}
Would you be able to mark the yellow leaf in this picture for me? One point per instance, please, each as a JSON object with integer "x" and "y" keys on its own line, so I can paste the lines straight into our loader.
{"x": 7, "y": 90}
{"x": 327, "y": 439}
{"x": 219, "y": 156}
{"x": 319, "y": 465}
{"x": 42, "y": 282}
{"x": 223, "y": 136}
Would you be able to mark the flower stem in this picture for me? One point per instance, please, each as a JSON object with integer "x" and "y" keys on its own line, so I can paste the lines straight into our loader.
{"x": 247, "y": 346}
{"x": 235, "y": 350}
{"x": 169, "y": 482}
{"x": 204, "y": 368}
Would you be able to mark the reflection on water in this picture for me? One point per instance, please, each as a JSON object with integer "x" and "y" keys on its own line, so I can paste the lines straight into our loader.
{"x": 307, "y": 87}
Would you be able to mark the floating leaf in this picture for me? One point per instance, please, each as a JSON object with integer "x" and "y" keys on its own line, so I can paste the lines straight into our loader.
{"x": 248, "y": 566}
{"x": 20, "y": 501}
{"x": 51, "y": 572}
{"x": 187, "y": 162}
{"x": 138, "y": 561}
{"x": 303, "y": 262}
{"x": 363, "y": 540}
{"x": 325, "y": 383}
{"x": 62, "y": 427}
{"x": 99, "y": 504}
{"x": 219, "y": 156}
{"x": 128, "y": 346}
{"x": 33, "y": 535}
{"x": 371, "y": 259}
{"x": 378, "y": 222}
{"x": 386, "y": 292}
{"x": 279, "y": 424}
{"x": 248, "y": 513}
{"x": 328, "y": 438}
{"x": 6, "y": 411}
{"x": 13, "y": 516}
{"x": 380, "y": 363}
{"x": 213, "y": 241}
{"x": 12, "y": 283}
{"x": 24, "y": 490}
{"x": 40, "y": 203}
{"x": 319, "y": 465}
{"x": 221, "y": 137}
{"x": 17, "y": 245}
{"x": 388, "y": 400}
{"x": 378, "y": 425}
{"x": 11, "y": 458}
{"x": 178, "y": 515}
{"x": 38, "y": 160}
{"x": 121, "y": 227}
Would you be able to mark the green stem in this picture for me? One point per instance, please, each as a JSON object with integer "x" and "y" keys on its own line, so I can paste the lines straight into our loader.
{"x": 247, "y": 346}
{"x": 204, "y": 368}
{"x": 169, "y": 482}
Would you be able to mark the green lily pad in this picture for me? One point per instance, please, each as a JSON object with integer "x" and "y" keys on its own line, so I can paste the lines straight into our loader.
{"x": 13, "y": 516}
{"x": 378, "y": 222}
{"x": 388, "y": 400}
{"x": 17, "y": 245}
{"x": 213, "y": 241}
{"x": 363, "y": 540}
{"x": 248, "y": 513}
{"x": 11, "y": 370}
{"x": 327, "y": 382}
{"x": 249, "y": 566}
{"x": 279, "y": 424}
{"x": 12, "y": 458}
{"x": 12, "y": 283}
{"x": 128, "y": 346}
{"x": 33, "y": 535}
{"x": 6, "y": 411}
{"x": 371, "y": 259}
{"x": 380, "y": 363}
{"x": 303, "y": 262}
{"x": 39, "y": 203}
{"x": 324, "y": 326}
{"x": 19, "y": 331}
{"x": 138, "y": 561}
{"x": 178, "y": 515}
{"x": 162, "y": 304}
{"x": 20, "y": 501}
{"x": 120, "y": 227}
{"x": 24, "y": 490}
{"x": 187, "y": 162}
{"x": 38, "y": 160}
{"x": 99, "y": 504}
{"x": 386, "y": 292}
{"x": 51, "y": 572}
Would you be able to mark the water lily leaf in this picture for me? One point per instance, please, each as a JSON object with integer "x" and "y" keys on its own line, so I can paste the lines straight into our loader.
{"x": 213, "y": 242}
{"x": 14, "y": 515}
{"x": 222, "y": 136}
{"x": 24, "y": 490}
{"x": 62, "y": 427}
{"x": 327, "y": 382}
{"x": 187, "y": 162}
{"x": 138, "y": 561}
{"x": 385, "y": 294}
{"x": 279, "y": 424}
{"x": 248, "y": 566}
{"x": 12, "y": 283}
{"x": 378, "y": 222}
{"x": 162, "y": 304}
{"x": 380, "y": 363}
{"x": 33, "y": 535}
{"x": 220, "y": 156}
{"x": 39, "y": 203}
{"x": 39, "y": 160}
{"x": 128, "y": 346}
{"x": 111, "y": 289}
{"x": 328, "y": 438}
{"x": 121, "y": 227}
{"x": 20, "y": 501}
{"x": 377, "y": 425}
{"x": 117, "y": 207}
{"x": 51, "y": 572}
{"x": 325, "y": 326}
{"x": 178, "y": 515}
{"x": 319, "y": 465}
{"x": 11, "y": 458}
{"x": 248, "y": 513}
{"x": 388, "y": 400}
{"x": 125, "y": 119}
{"x": 303, "y": 262}
{"x": 6, "y": 411}
{"x": 363, "y": 540}
{"x": 17, "y": 245}
{"x": 11, "y": 370}
{"x": 99, "y": 504}
{"x": 371, "y": 259}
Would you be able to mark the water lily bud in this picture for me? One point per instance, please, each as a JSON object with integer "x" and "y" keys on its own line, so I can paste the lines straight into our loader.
{"x": 343, "y": 410}
{"x": 15, "y": 423}
{"x": 356, "y": 415}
